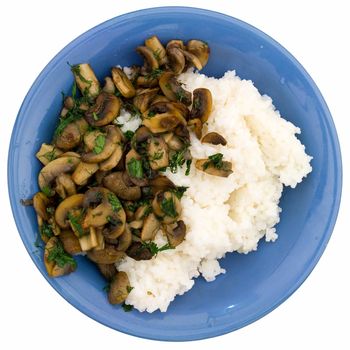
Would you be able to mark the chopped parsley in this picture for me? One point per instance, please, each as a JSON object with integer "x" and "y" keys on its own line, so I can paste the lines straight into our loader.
{"x": 50, "y": 155}
{"x": 155, "y": 74}
{"x": 156, "y": 156}
{"x": 151, "y": 114}
{"x": 71, "y": 117}
{"x": 179, "y": 191}
{"x": 129, "y": 288}
{"x": 153, "y": 248}
{"x": 76, "y": 223}
{"x": 100, "y": 142}
{"x": 129, "y": 134}
{"x": 113, "y": 221}
{"x": 168, "y": 207}
{"x": 135, "y": 168}
{"x": 215, "y": 161}
{"x": 60, "y": 257}
{"x": 127, "y": 307}
{"x": 107, "y": 287}
{"x": 95, "y": 116}
{"x": 46, "y": 230}
{"x": 180, "y": 95}
{"x": 76, "y": 71}
{"x": 178, "y": 160}
{"x": 114, "y": 202}
{"x": 47, "y": 191}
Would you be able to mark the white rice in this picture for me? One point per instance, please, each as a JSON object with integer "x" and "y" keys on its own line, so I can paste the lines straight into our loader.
{"x": 223, "y": 214}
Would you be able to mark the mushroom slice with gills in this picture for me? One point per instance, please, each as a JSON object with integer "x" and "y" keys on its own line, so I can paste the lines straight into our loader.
{"x": 142, "y": 134}
{"x": 119, "y": 289}
{"x": 146, "y": 81}
{"x": 150, "y": 61}
{"x": 214, "y": 138}
{"x": 83, "y": 172}
{"x": 89, "y": 241}
{"x": 53, "y": 169}
{"x": 161, "y": 183}
{"x": 56, "y": 260}
{"x": 104, "y": 146}
{"x": 185, "y": 112}
{"x": 182, "y": 132}
{"x": 177, "y": 234}
{"x": 67, "y": 185}
{"x": 86, "y": 80}
{"x": 139, "y": 251}
{"x": 68, "y": 204}
{"x": 159, "y": 98}
{"x": 69, "y": 154}
{"x": 173, "y": 141}
{"x": 129, "y": 210}
{"x": 115, "y": 182}
{"x": 200, "y": 49}
{"x": 143, "y": 98}
{"x": 133, "y": 165}
{"x": 167, "y": 206}
{"x": 136, "y": 224}
{"x": 125, "y": 239}
{"x": 150, "y": 227}
{"x": 104, "y": 111}
{"x": 47, "y": 153}
{"x": 113, "y": 160}
{"x": 123, "y": 83}
{"x": 40, "y": 204}
{"x": 142, "y": 212}
{"x": 108, "y": 271}
{"x": 173, "y": 90}
{"x": 176, "y": 60}
{"x": 89, "y": 139}
{"x": 197, "y": 127}
{"x": 193, "y": 59}
{"x": 157, "y": 151}
{"x": 214, "y": 165}
{"x": 109, "y": 86}
{"x": 202, "y": 104}
{"x": 70, "y": 242}
{"x": 116, "y": 225}
{"x": 71, "y": 135}
{"x": 157, "y": 48}
{"x": 100, "y": 175}
{"x": 175, "y": 43}
{"x": 108, "y": 255}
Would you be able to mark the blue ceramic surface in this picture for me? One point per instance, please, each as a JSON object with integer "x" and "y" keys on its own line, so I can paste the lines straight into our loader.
{"x": 254, "y": 284}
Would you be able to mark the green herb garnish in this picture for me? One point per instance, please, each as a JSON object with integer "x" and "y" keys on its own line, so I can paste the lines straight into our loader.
{"x": 168, "y": 207}
{"x": 156, "y": 156}
{"x": 129, "y": 288}
{"x": 155, "y": 74}
{"x": 114, "y": 202}
{"x": 154, "y": 249}
{"x": 215, "y": 161}
{"x": 47, "y": 191}
{"x": 135, "y": 168}
{"x": 100, "y": 142}
{"x": 71, "y": 117}
{"x": 60, "y": 257}
{"x": 95, "y": 116}
{"x": 178, "y": 160}
{"x": 179, "y": 191}
{"x": 46, "y": 230}
{"x": 180, "y": 95}
{"x": 188, "y": 166}
{"x": 76, "y": 70}
{"x": 129, "y": 134}
{"x": 76, "y": 223}
{"x": 50, "y": 155}
{"x": 151, "y": 114}
{"x": 127, "y": 307}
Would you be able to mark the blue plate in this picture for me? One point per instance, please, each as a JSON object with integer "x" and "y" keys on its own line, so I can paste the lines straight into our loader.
{"x": 254, "y": 284}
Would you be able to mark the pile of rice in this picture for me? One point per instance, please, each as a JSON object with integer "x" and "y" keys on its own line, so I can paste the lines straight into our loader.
{"x": 239, "y": 210}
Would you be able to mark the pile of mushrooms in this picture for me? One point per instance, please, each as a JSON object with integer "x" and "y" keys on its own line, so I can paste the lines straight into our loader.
{"x": 103, "y": 192}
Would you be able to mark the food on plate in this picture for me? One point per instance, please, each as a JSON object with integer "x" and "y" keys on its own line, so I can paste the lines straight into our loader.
{"x": 160, "y": 171}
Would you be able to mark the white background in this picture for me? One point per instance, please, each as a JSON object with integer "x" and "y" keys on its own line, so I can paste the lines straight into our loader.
{"x": 34, "y": 316}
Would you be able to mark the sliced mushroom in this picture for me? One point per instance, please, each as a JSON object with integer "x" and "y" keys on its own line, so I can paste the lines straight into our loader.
{"x": 138, "y": 141}
{"x": 125, "y": 239}
{"x": 69, "y": 103}
{"x": 122, "y": 83}
{"x": 150, "y": 227}
{"x": 146, "y": 81}
{"x": 86, "y": 80}
{"x": 166, "y": 206}
{"x": 109, "y": 86}
{"x": 107, "y": 270}
{"x": 161, "y": 183}
{"x": 177, "y": 234}
{"x": 40, "y": 203}
{"x": 62, "y": 210}
{"x": 83, "y": 172}
{"x": 133, "y": 165}
{"x": 142, "y": 212}
{"x": 136, "y": 224}
{"x": 173, "y": 90}
{"x": 138, "y": 251}
{"x": 65, "y": 186}
{"x": 90, "y": 138}
{"x": 75, "y": 219}
{"x": 200, "y": 49}
{"x": 113, "y": 160}
{"x": 70, "y": 242}
{"x": 71, "y": 135}
{"x": 214, "y": 138}
{"x": 100, "y": 239}
{"x": 197, "y": 124}
{"x": 157, "y": 48}
{"x": 115, "y": 183}
{"x": 193, "y": 59}
{"x": 119, "y": 288}
{"x": 47, "y": 153}
{"x": 110, "y": 143}
{"x": 202, "y": 104}
{"x": 157, "y": 151}
{"x": 116, "y": 225}
{"x": 159, "y": 98}
{"x": 89, "y": 241}
{"x": 143, "y": 98}
{"x": 109, "y": 255}
{"x": 208, "y": 167}
{"x": 150, "y": 61}
{"x": 175, "y": 43}
{"x": 176, "y": 60}
{"x": 56, "y": 167}
{"x": 104, "y": 111}
{"x": 173, "y": 141}
{"x": 100, "y": 175}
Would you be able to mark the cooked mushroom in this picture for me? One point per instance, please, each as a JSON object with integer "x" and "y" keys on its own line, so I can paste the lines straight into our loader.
{"x": 86, "y": 80}
{"x": 176, "y": 60}
{"x": 150, "y": 61}
{"x": 193, "y": 59}
{"x": 167, "y": 206}
{"x": 47, "y": 153}
{"x": 90, "y": 138}
{"x": 65, "y": 186}
{"x": 136, "y": 224}
{"x": 177, "y": 234}
{"x": 68, "y": 204}
{"x": 70, "y": 242}
{"x": 159, "y": 98}
{"x": 56, "y": 167}
{"x": 109, "y": 255}
{"x": 157, "y": 48}
{"x": 173, "y": 141}
{"x": 56, "y": 260}
{"x": 107, "y": 270}
{"x": 109, "y": 86}
{"x": 83, "y": 172}
{"x": 157, "y": 151}
{"x": 100, "y": 239}
{"x": 100, "y": 175}
{"x": 214, "y": 165}
{"x": 133, "y": 165}
{"x": 200, "y": 49}
{"x": 116, "y": 225}
{"x": 115, "y": 182}
{"x": 202, "y": 104}
{"x": 104, "y": 146}
{"x": 138, "y": 252}
{"x": 119, "y": 288}
{"x": 143, "y": 98}
{"x": 147, "y": 81}
{"x": 125, "y": 239}
{"x": 175, "y": 43}
{"x": 69, "y": 102}
{"x": 122, "y": 83}
{"x": 214, "y": 138}
{"x": 142, "y": 212}
{"x": 113, "y": 160}
{"x": 138, "y": 141}
{"x": 197, "y": 124}
{"x": 40, "y": 203}
{"x": 161, "y": 183}
{"x": 173, "y": 90}
{"x": 71, "y": 135}
{"x": 104, "y": 111}
{"x": 89, "y": 241}
{"x": 150, "y": 227}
